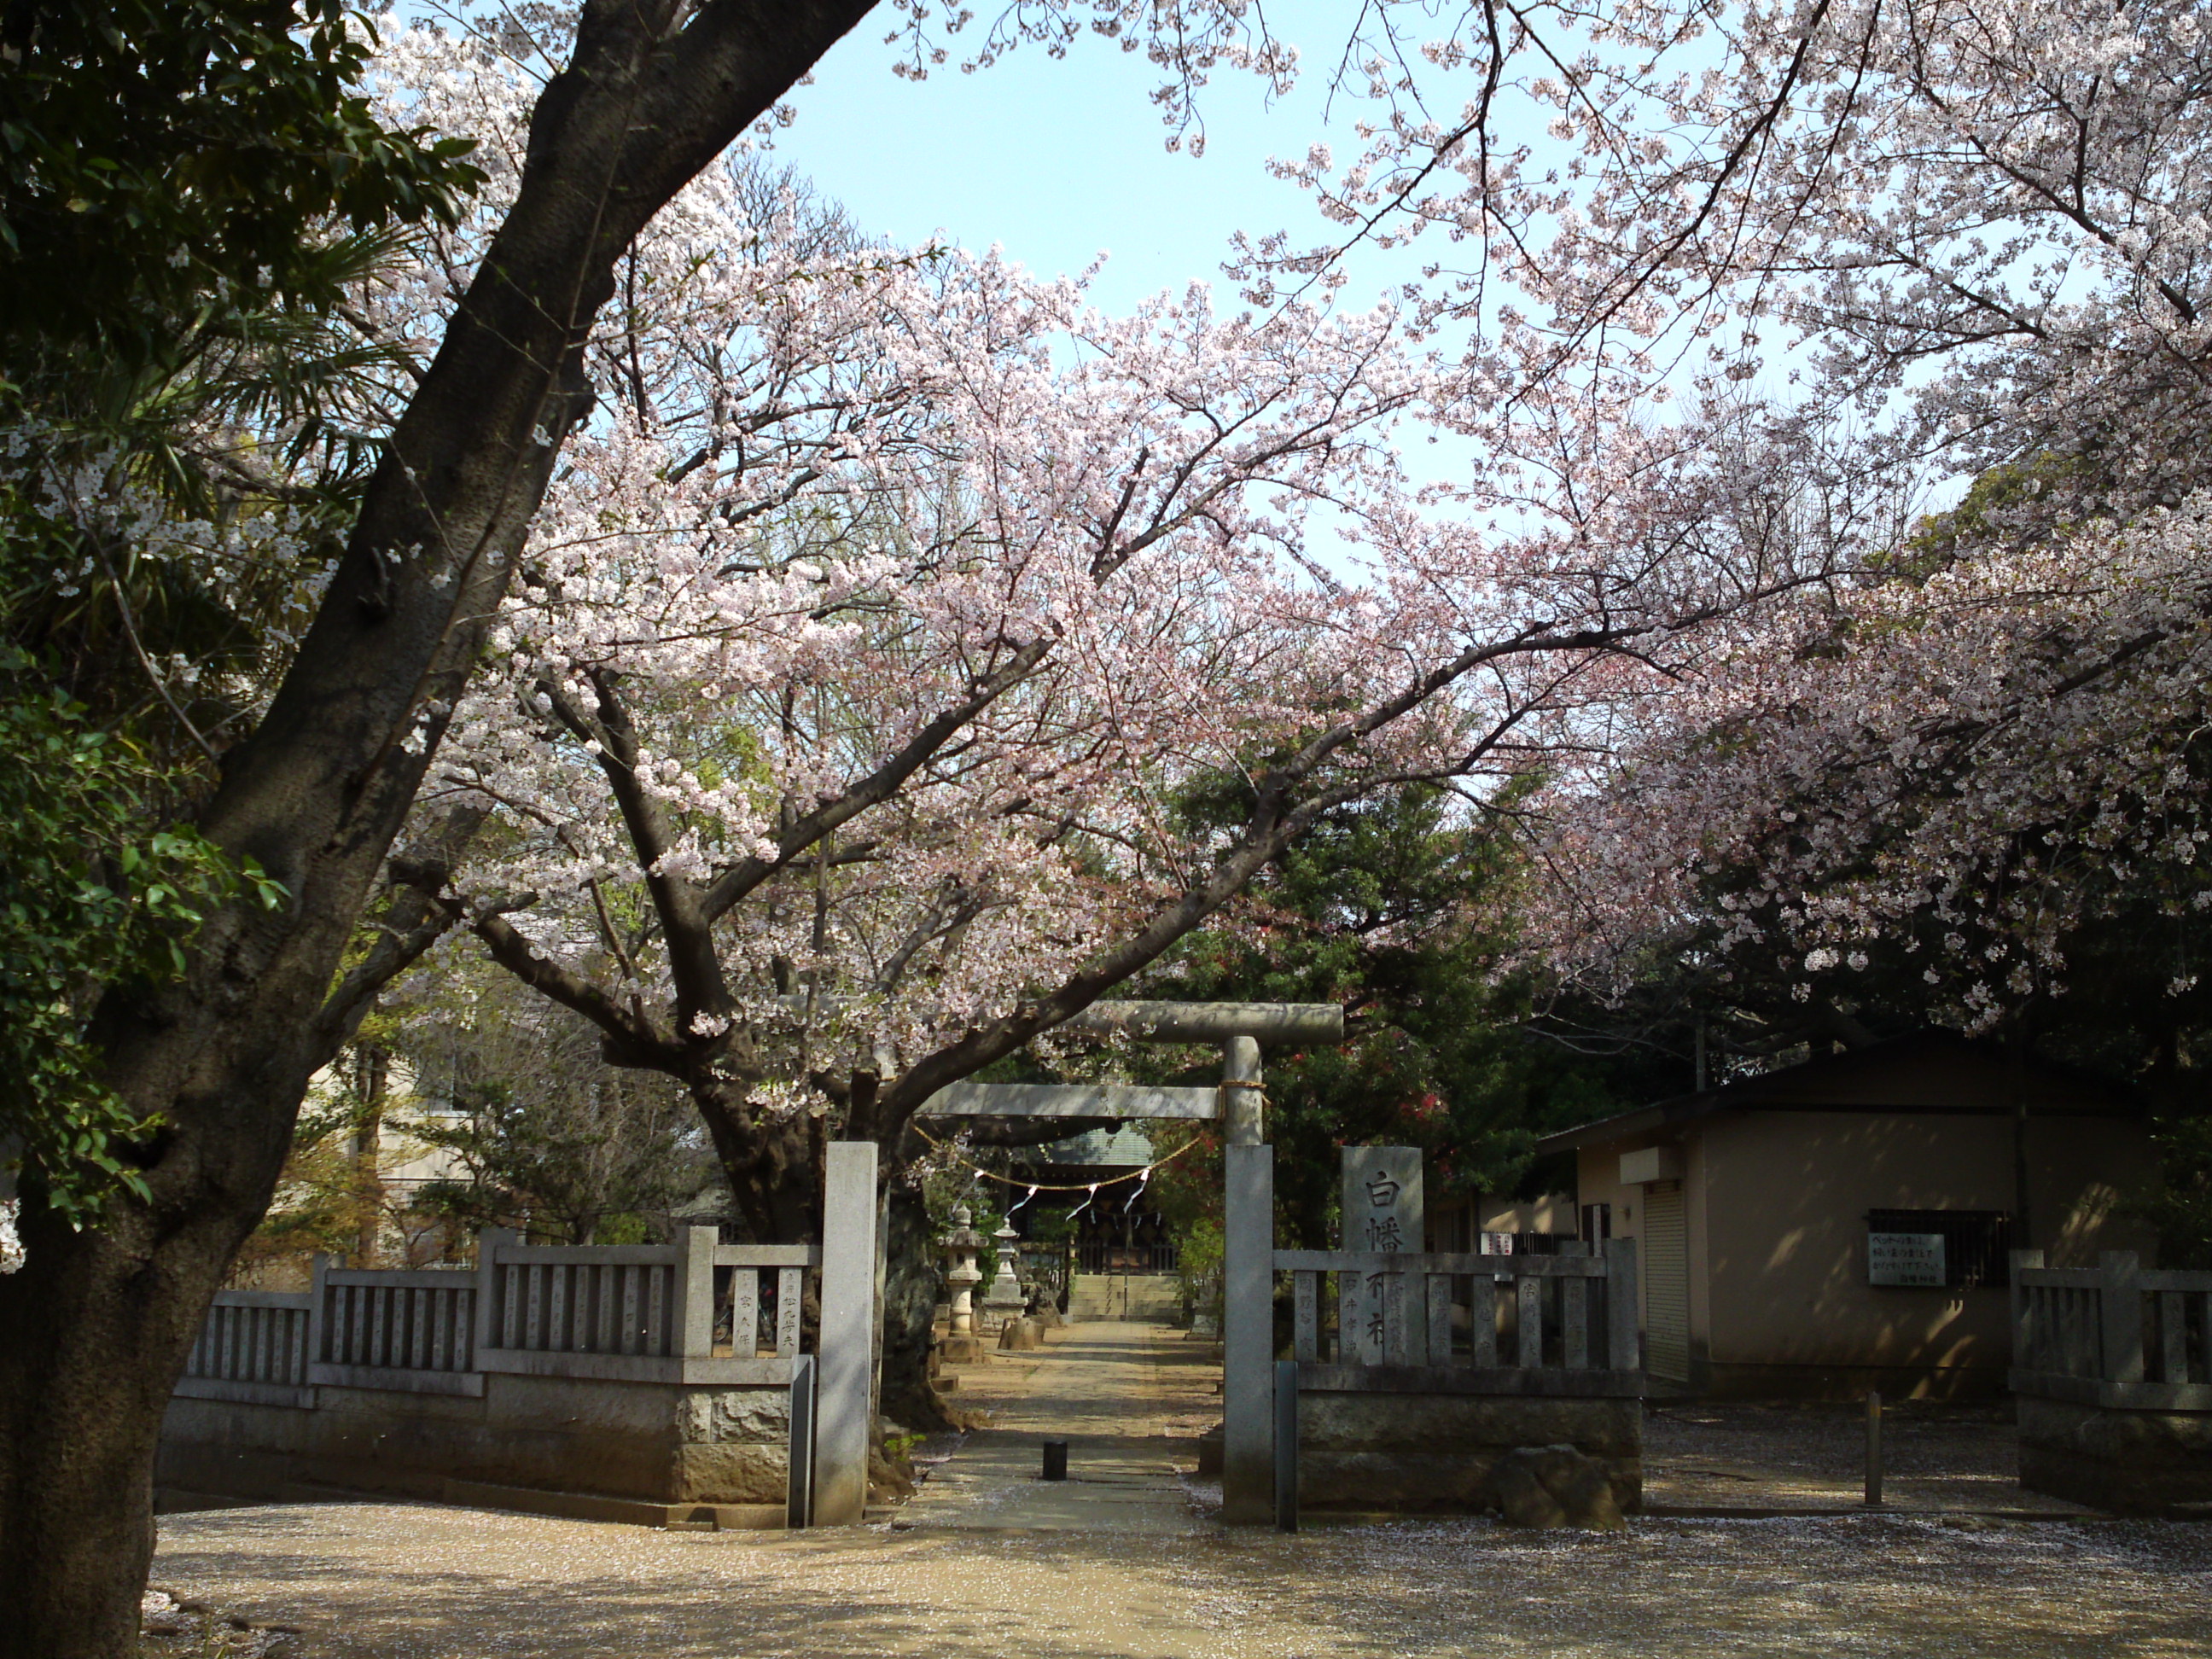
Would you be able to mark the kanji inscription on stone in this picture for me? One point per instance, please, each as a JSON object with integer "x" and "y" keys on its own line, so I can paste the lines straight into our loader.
{"x": 1382, "y": 1213}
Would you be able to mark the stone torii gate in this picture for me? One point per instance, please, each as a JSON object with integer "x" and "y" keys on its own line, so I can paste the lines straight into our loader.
{"x": 1248, "y": 1390}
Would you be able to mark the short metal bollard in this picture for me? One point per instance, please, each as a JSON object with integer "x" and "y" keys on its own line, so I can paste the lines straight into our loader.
{"x": 1874, "y": 1450}
{"x": 1055, "y": 1460}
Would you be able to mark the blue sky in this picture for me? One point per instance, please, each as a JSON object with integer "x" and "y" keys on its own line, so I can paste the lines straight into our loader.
{"x": 1058, "y": 159}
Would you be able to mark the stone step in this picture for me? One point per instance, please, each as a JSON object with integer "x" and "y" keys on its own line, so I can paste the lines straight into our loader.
{"x": 1137, "y": 1298}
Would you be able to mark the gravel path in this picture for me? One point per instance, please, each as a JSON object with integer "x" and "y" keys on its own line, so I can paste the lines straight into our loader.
{"x": 1116, "y": 1394}
{"x": 399, "y": 1582}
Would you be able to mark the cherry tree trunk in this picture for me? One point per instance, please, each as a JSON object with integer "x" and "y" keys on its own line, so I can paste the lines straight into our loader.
{"x": 95, "y": 1327}
{"x": 774, "y": 1172}
{"x": 909, "y": 1399}
{"x": 93, "y": 1330}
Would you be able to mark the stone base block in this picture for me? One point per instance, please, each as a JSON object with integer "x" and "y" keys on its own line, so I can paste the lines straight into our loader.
{"x": 1401, "y": 1451}
{"x": 656, "y": 1444}
{"x": 1730, "y": 1380}
{"x": 962, "y": 1350}
{"x": 2127, "y": 1463}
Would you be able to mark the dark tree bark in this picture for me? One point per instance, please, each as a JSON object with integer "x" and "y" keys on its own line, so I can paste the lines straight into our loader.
{"x": 95, "y": 1325}
{"x": 910, "y": 1281}
{"x": 774, "y": 1169}
{"x": 372, "y": 1083}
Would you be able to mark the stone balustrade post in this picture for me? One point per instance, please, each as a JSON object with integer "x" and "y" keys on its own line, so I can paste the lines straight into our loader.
{"x": 2120, "y": 1320}
{"x": 695, "y": 1291}
{"x": 846, "y": 1366}
{"x": 489, "y": 1242}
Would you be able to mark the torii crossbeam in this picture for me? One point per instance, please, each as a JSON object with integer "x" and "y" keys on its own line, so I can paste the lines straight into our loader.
{"x": 1237, "y": 1027}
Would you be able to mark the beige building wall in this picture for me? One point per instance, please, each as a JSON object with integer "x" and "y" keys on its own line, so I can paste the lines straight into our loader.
{"x": 1554, "y": 1212}
{"x": 1776, "y": 1205}
{"x": 1790, "y": 1259}
{"x": 1696, "y": 1219}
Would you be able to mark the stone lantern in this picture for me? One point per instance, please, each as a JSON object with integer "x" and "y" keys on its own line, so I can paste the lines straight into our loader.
{"x": 1005, "y": 1300}
{"x": 961, "y": 1276}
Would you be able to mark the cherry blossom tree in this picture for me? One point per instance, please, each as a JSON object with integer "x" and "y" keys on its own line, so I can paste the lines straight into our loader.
{"x": 865, "y": 632}
{"x": 1854, "y": 173}
{"x": 1979, "y": 228}
{"x": 1962, "y": 766}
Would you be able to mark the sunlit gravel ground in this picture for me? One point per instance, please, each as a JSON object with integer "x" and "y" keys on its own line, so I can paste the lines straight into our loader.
{"x": 401, "y": 1582}
{"x": 1813, "y": 1454}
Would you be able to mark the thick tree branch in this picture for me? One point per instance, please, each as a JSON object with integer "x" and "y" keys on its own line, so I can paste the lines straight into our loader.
{"x": 802, "y": 831}
{"x": 416, "y": 919}
{"x": 632, "y": 1037}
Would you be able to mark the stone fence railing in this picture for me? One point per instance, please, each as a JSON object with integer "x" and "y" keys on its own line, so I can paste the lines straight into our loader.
{"x": 254, "y": 1348}
{"x": 1440, "y": 1367}
{"x": 2112, "y": 1379}
{"x": 1494, "y": 1324}
{"x": 663, "y": 1383}
{"x": 2115, "y": 1336}
{"x": 641, "y": 1313}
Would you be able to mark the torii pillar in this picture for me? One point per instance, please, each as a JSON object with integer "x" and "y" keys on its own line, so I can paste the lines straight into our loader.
{"x": 1247, "y": 1273}
{"x": 1248, "y": 1298}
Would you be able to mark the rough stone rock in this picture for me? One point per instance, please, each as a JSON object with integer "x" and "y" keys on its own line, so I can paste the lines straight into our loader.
{"x": 206, "y": 1629}
{"x": 1523, "y": 1499}
{"x": 757, "y": 1416}
{"x": 888, "y": 1478}
{"x": 1021, "y": 1334}
{"x": 1554, "y": 1486}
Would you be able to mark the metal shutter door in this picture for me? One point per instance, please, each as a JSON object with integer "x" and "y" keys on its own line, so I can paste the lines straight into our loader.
{"x": 1666, "y": 1283}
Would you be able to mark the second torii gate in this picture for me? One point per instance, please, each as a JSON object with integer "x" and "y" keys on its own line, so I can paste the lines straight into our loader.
{"x": 1248, "y": 1388}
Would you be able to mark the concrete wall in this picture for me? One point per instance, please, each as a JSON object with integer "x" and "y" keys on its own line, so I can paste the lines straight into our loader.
{"x": 1398, "y": 1452}
{"x": 654, "y": 1442}
{"x": 1776, "y": 1203}
{"x": 2129, "y": 1462}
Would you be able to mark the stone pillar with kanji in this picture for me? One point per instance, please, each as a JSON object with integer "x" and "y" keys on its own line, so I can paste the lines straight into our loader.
{"x": 1378, "y": 1322}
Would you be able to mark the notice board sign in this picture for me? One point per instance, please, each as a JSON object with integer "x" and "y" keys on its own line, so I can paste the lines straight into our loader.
{"x": 1905, "y": 1259}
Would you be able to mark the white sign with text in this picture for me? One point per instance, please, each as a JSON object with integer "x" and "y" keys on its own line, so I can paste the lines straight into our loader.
{"x": 1913, "y": 1258}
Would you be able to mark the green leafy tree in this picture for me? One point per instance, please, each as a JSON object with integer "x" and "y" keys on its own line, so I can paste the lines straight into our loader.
{"x": 2179, "y": 1208}
{"x": 162, "y": 158}
{"x": 90, "y": 896}
{"x": 555, "y": 1142}
{"x": 185, "y": 192}
{"x": 1404, "y": 913}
